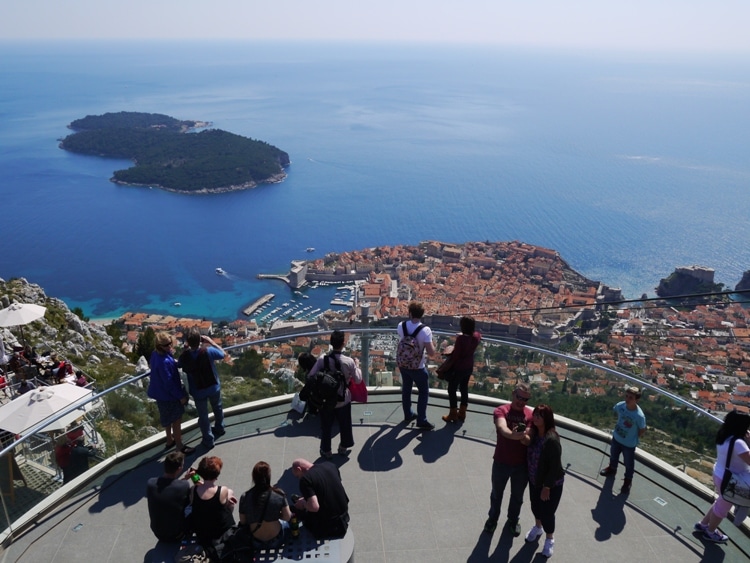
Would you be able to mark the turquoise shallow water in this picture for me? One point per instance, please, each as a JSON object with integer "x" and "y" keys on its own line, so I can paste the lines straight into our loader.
{"x": 628, "y": 167}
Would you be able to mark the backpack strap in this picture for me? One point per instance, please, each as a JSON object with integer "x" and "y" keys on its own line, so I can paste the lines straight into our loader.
{"x": 416, "y": 330}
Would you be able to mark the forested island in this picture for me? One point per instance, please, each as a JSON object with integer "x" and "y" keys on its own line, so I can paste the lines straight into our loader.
{"x": 168, "y": 154}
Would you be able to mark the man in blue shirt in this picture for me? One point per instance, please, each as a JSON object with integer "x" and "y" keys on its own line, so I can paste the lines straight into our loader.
{"x": 197, "y": 361}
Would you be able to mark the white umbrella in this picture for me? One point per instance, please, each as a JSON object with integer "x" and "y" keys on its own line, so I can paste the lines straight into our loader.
{"x": 39, "y": 404}
{"x": 19, "y": 314}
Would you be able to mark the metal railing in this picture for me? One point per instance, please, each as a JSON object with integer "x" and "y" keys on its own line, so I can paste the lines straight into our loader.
{"x": 363, "y": 343}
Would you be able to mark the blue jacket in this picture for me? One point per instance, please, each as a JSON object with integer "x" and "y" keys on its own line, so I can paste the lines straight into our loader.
{"x": 165, "y": 383}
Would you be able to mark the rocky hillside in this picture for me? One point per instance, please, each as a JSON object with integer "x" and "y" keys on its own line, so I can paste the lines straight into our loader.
{"x": 86, "y": 345}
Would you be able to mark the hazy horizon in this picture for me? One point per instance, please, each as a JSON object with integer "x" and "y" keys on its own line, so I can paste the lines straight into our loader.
{"x": 669, "y": 26}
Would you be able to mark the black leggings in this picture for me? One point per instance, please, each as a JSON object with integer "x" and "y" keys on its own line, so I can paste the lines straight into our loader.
{"x": 459, "y": 381}
{"x": 544, "y": 510}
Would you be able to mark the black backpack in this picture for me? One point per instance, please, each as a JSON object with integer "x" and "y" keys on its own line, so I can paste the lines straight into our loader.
{"x": 199, "y": 368}
{"x": 328, "y": 386}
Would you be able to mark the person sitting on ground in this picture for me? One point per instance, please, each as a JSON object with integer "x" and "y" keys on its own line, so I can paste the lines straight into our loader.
{"x": 324, "y": 505}
{"x": 264, "y": 510}
{"x": 212, "y": 504}
{"x": 167, "y": 498}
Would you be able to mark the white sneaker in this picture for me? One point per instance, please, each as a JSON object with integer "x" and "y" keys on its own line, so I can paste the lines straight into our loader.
{"x": 534, "y": 534}
{"x": 549, "y": 547}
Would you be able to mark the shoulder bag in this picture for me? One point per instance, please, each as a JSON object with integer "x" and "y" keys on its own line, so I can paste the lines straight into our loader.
{"x": 734, "y": 489}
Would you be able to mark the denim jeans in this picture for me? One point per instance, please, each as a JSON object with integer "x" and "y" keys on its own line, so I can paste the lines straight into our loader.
{"x": 519, "y": 478}
{"x": 628, "y": 457}
{"x": 201, "y": 405}
{"x": 344, "y": 417}
{"x": 420, "y": 378}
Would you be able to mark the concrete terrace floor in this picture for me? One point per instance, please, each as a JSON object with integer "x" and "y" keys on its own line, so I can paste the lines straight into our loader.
{"x": 415, "y": 497}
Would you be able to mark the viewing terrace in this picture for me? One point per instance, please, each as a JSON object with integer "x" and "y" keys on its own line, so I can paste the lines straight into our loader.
{"x": 415, "y": 496}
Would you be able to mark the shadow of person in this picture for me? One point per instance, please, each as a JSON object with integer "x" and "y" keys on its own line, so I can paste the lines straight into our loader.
{"x": 162, "y": 552}
{"x": 294, "y": 426}
{"x": 382, "y": 449}
{"x": 609, "y": 512}
{"x": 435, "y": 444}
{"x": 127, "y": 487}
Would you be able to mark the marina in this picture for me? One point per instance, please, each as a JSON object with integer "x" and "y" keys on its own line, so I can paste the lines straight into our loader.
{"x": 257, "y": 304}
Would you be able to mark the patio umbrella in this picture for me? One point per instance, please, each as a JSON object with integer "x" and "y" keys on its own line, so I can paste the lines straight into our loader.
{"x": 38, "y": 404}
{"x": 19, "y": 314}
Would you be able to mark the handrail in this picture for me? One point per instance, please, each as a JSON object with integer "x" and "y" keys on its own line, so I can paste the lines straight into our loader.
{"x": 39, "y": 427}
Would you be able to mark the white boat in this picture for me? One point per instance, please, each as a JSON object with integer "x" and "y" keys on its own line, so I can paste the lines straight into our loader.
{"x": 220, "y": 271}
{"x": 177, "y": 304}
{"x": 310, "y": 249}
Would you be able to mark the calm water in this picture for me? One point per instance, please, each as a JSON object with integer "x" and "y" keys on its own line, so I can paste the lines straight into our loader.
{"x": 629, "y": 167}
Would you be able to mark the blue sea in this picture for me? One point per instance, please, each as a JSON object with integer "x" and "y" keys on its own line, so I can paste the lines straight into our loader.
{"x": 628, "y": 165}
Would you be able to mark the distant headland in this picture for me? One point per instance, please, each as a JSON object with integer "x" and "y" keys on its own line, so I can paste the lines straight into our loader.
{"x": 168, "y": 155}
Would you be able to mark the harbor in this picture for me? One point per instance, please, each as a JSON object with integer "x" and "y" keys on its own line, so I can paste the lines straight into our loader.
{"x": 257, "y": 304}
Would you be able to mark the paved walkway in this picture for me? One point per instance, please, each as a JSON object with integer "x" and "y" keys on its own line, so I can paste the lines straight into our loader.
{"x": 415, "y": 497}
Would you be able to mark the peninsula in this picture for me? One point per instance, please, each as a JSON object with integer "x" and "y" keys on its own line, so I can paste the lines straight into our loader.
{"x": 168, "y": 154}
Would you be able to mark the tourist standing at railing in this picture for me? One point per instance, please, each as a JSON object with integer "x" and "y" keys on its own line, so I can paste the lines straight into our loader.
{"x": 509, "y": 461}
{"x": 734, "y": 430}
{"x": 165, "y": 387}
{"x": 203, "y": 382}
{"x": 343, "y": 409}
{"x": 630, "y": 427}
{"x": 416, "y": 374}
{"x": 546, "y": 475}
{"x": 459, "y": 369}
{"x": 167, "y": 498}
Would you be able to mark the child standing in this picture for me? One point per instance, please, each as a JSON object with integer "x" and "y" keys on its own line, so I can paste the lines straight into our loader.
{"x": 631, "y": 425}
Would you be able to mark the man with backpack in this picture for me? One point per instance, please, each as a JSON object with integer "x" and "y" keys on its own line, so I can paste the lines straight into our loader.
{"x": 334, "y": 371}
{"x": 415, "y": 338}
{"x": 197, "y": 361}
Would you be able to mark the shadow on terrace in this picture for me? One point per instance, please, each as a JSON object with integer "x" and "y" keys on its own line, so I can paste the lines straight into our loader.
{"x": 414, "y": 496}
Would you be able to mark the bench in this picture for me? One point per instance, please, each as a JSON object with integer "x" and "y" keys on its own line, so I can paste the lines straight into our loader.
{"x": 307, "y": 547}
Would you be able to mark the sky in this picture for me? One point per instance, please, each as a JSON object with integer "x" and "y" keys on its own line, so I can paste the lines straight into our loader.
{"x": 677, "y": 26}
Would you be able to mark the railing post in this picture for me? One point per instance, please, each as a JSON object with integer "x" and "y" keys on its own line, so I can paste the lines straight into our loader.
{"x": 365, "y": 365}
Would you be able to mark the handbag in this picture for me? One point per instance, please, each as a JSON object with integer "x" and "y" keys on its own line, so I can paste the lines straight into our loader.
{"x": 733, "y": 488}
{"x": 358, "y": 391}
{"x": 445, "y": 370}
{"x": 191, "y": 551}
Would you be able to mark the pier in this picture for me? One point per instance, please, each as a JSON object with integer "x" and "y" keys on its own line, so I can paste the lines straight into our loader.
{"x": 250, "y": 309}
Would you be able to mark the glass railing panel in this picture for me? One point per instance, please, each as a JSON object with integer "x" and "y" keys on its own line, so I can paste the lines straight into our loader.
{"x": 576, "y": 388}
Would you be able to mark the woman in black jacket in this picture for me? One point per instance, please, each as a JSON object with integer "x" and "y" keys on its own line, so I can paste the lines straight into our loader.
{"x": 546, "y": 475}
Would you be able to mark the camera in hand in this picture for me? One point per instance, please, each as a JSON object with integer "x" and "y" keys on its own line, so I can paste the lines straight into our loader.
{"x": 520, "y": 427}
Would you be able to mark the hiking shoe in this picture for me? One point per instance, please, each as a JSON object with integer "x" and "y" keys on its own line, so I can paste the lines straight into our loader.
{"x": 425, "y": 425}
{"x": 344, "y": 451}
{"x": 514, "y": 526}
{"x": 549, "y": 548}
{"x": 715, "y": 536}
{"x": 699, "y": 527}
{"x": 218, "y": 432}
{"x": 626, "y": 484}
{"x": 534, "y": 534}
{"x": 327, "y": 455}
{"x": 608, "y": 472}
{"x": 408, "y": 419}
{"x": 490, "y": 525}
